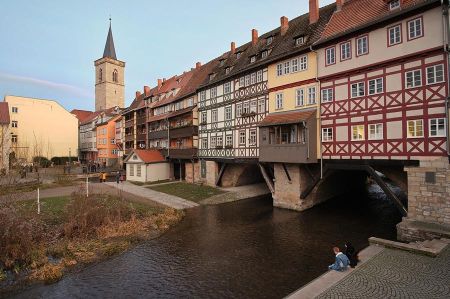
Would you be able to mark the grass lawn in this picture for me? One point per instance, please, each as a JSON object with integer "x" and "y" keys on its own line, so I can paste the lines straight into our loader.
{"x": 187, "y": 191}
{"x": 150, "y": 183}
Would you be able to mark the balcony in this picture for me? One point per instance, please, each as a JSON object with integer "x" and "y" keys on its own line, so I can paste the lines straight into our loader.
{"x": 182, "y": 153}
{"x": 129, "y": 123}
{"x": 141, "y": 137}
{"x": 157, "y": 134}
{"x": 129, "y": 137}
{"x": 181, "y": 132}
{"x": 141, "y": 120}
{"x": 287, "y": 153}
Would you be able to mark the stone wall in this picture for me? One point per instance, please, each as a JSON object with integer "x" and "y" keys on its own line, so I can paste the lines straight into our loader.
{"x": 428, "y": 197}
{"x": 240, "y": 175}
{"x": 212, "y": 171}
{"x": 192, "y": 171}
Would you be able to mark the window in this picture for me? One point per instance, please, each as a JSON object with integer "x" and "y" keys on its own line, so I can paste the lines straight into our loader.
{"x": 219, "y": 141}
{"x": 131, "y": 169}
{"x": 330, "y": 56}
{"x": 211, "y": 76}
{"x": 280, "y": 69}
{"x": 264, "y": 54}
{"x": 247, "y": 80}
{"x": 242, "y": 138}
{"x": 362, "y": 45}
{"x": 346, "y": 51}
{"x": 213, "y": 92}
{"x": 358, "y": 132}
{"x": 437, "y": 127}
{"x": 300, "y": 97}
{"x": 227, "y": 87}
{"x": 253, "y": 78}
{"x": 269, "y": 40}
{"x": 222, "y": 62}
{"x": 227, "y": 71}
{"x": 303, "y": 63}
{"x": 241, "y": 82}
{"x": 375, "y": 86}
{"x": 113, "y": 141}
{"x": 138, "y": 170}
{"x": 228, "y": 112}
{"x": 394, "y": 4}
{"x": 203, "y": 95}
{"x": 358, "y": 89}
{"x": 299, "y": 41}
{"x": 415, "y": 28}
{"x": 413, "y": 78}
{"x": 204, "y": 117}
{"x": 204, "y": 142}
{"x": 261, "y": 106}
{"x": 294, "y": 65}
{"x": 214, "y": 115}
{"x": 100, "y": 75}
{"x": 279, "y": 101}
{"x": 115, "y": 76}
{"x": 238, "y": 110}
{"x": 435, "y": 74}
{"x": 15, "y": 110}
{"x": 252, "y": 138}
{"x": 253, "y": 106}
{"x": 311, "y": 95}
{"x": 327, "y": 134}
{"x": 252, "y": 59}
{"x": 287, "y": 67}
{"x": 259, "y": 76}
{"x": 327, "y": 95}
{"x": 395, "y": 35}
{"x": 14, "y": 138}
{"x": 213, "y": 141}
{"x": 14, "y": 124}
{"x": 238, "y": 55}
{"x": 229, "y": 140}
{"x": 246, "y": 107}
{"x": 190, "y": 102}
{"x": 415, "y": 128}
{"x": 375, "y": 131}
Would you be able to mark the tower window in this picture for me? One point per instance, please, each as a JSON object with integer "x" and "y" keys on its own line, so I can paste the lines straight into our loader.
{"x": 100, "y": 75}
{"x": 115, "y": 76}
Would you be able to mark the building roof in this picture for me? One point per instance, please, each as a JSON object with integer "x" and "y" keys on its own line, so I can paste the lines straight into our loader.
{"x": 281, "y": 46}
{"x": 110, "y": 51}
{"x": 148, "y": 156}
{"x": 82, "y": 115}
{"x": 4, "y": 113}
{"x": 108, "y": 112}
{"x": 357, "y": 14}
{"x": 284, "y": 118}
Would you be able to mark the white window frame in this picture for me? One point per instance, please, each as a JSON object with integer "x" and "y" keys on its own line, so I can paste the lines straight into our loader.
{"x": 204, "y": 143}
{"x": 327, "y": 95}
{"x": 300, "y": 97}
{"x": 413, "y": 82}
{"x": 253, "y": 78}
{"x": 279, "y": 101}
{"x": 227, "y": 87}
{"x": 15, "y": 109}
{"x": 241, "y": 81}
{"x": 242, "y": 141}
{"x": 436, "y": 124}
{"x": 327, "y": 135}
{"x": 330, "y": 56}
{"x": 294, "y": 65}
{"x": 14, "y": 124}
{"x": 395, "y": 35}
{"x": 346, "y": 50}
{"x": 417, "y": 30}
{"x": 203, "y": 95}
{"x": 415, "y": 122}
{"x": 261, "y": 106}
{"x": 287, "y": 67}
{"x": 312, "y": 95}
{"x": 279, "y": 69}
{"x": 254, "y": 106}
{"x": 362, "y": 45}
{"x": 377, "y": 134}
{"x": 299, "y": 40}
{"x": 228, "y": 140}
{"x": 377, "y": 84}
{"x": 359, "y": 92}
{"x": 358, "y": 138}
{"x": 204, "y": 117}
{"x": 303, "y": 63}
{"x": 228, "y": 113}
{"x": 433, "y": 79}
{"x": 252, "y": 137}
{"x": 259, "y": 76}
{"x": 394, "y": 4}
{"x": 213, "y": 92}
{"x": 238, "y": 110}
{"x": 214, "y": 115}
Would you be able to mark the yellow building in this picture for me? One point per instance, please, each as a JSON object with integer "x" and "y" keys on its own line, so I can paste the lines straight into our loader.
{"x": 41, "y": 128}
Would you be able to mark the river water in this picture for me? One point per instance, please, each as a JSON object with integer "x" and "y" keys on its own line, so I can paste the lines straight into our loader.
{"x": 245, "y": 249}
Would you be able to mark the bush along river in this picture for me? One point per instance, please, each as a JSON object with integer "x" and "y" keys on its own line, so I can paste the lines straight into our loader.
{"x": 245, "y": 249}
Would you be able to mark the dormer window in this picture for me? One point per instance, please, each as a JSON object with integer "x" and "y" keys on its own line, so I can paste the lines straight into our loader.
{"x": 252, "y": 59}
{"x": 238, "y": 55}
{"x": 227, "y": 70}
{"x": 222, "y": 62}
{"x": 211, "y": 76}
{"x": 299, "y": 40}
{"x": 264, "y": 54}
{"x": 269, "y": 40}
{"x": 394, "y": 4}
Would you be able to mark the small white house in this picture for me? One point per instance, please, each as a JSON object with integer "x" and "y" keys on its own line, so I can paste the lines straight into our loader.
{"x": 147, "y": 166}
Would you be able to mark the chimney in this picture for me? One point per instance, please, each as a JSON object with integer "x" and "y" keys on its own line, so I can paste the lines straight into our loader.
{"x": 339, "y": 4}
{"x": 284, "y": 25}
{"x": 138, "y": 94}
{"x": 313, "y": 11}
{"x": 146, "y": 91}
{"x": 254, "y": 37}
{"x": 233, "y": 48}
{"x": 159, "y": 83}
{"x": 198, "y": 65}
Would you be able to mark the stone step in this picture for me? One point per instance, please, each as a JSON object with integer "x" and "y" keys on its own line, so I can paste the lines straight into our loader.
{"x": 426, "y": 247}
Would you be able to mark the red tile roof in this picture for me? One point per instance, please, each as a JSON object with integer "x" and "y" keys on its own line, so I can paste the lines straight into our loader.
{"x": 81, "y": 114}
{"x": 284, "y": 118}
{"x": 149, "y": 156}
{"x": 356, "y": 14}
{"x": 93, "y": 115}
{"x": 4, "y": 113}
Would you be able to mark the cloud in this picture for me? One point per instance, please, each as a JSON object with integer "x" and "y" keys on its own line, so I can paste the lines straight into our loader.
{"x": 73, "y": 90}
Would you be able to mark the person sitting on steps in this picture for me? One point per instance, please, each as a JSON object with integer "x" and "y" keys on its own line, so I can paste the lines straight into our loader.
{"x": 351, "y": 253}
{"x": 341, "y": 262}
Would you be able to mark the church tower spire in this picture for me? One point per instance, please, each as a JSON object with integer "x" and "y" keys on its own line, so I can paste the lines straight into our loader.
{"x": 109, "y": 77}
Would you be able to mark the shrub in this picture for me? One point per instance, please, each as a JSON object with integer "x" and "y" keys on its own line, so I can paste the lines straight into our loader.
{"x": 62, "y": 160}
{"x": 42, "y": 161}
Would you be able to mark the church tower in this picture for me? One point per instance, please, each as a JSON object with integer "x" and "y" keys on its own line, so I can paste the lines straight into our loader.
{"x": 109, "y": 77}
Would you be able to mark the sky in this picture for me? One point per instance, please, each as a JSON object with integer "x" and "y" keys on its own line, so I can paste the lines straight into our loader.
{"x": 48, "y": 47}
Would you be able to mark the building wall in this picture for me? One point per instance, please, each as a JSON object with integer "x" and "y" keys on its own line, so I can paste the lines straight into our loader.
{"x": 106, "y": 143}
{"x": 107, "y": 92}
{"x": 192, "y": 170}
{"x": 44, "y": 128}
{"x": 158, "y": 172}
{"x": 5, "y": 147}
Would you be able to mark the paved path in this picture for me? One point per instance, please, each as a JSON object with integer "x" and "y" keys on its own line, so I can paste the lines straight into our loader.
{"x": 162, "y": 198}
{"x": 238, "y": 193}
{"x": 390, "y": 273}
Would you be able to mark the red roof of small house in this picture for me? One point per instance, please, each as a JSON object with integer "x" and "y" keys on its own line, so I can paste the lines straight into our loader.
{"x": 284, "y": 118}
{"x": 356, "y": 14}
{"x": 82, "y": 115}
{"x": 149, "y": 156}
{"x": 4, "y": 113}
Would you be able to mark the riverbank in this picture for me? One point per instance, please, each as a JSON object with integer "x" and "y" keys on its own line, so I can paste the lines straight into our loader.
{"x": 71, "y": 232}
